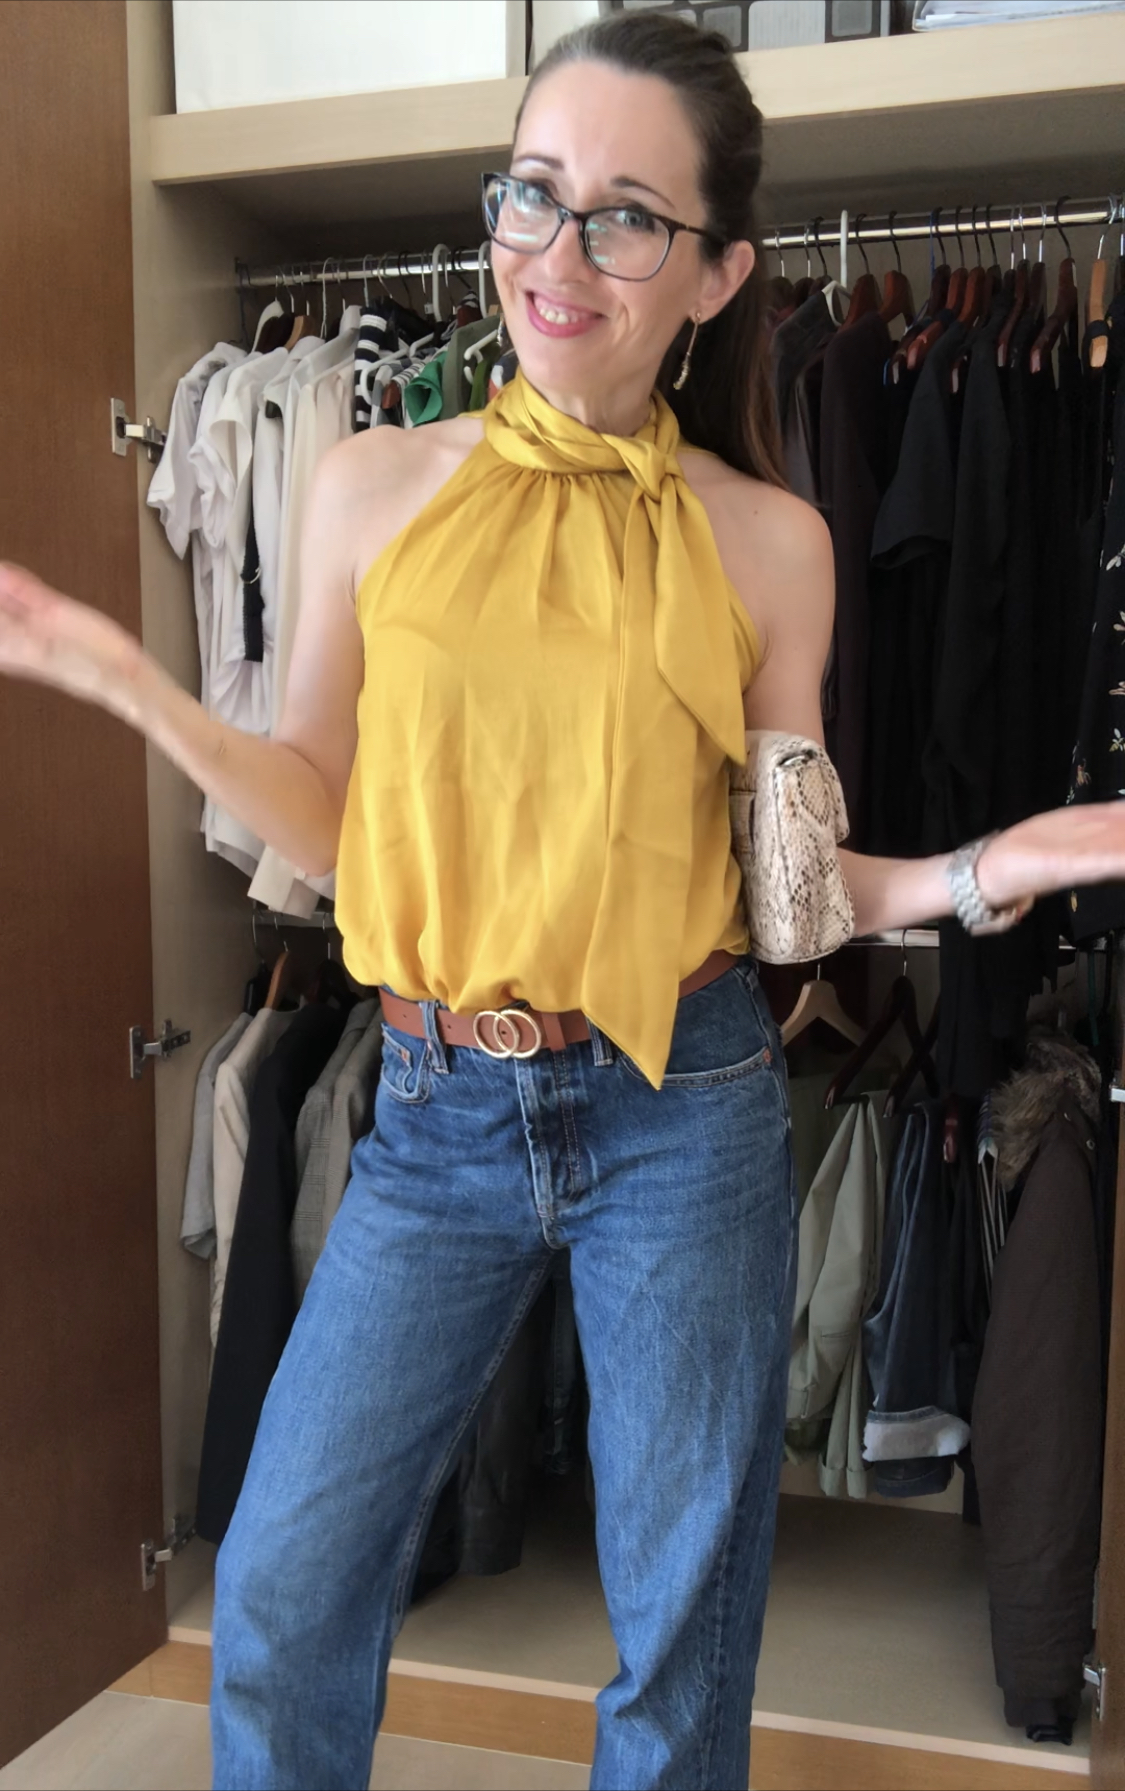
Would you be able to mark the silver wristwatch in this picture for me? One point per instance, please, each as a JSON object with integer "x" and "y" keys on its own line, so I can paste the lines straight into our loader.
{"x": 969, "y": 904}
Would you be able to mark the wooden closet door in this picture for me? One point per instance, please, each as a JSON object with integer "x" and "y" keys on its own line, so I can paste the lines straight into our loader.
{"x": 79, "y": 1398}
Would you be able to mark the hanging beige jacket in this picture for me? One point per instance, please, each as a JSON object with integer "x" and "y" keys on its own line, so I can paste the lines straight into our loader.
{"x": 840, "y": 1242}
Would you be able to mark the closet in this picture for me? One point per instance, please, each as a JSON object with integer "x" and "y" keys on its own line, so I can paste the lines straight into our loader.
{"x": 120, "y": 227}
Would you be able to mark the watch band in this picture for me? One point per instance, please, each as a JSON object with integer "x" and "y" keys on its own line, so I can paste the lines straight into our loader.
{"x": 969, "y": 904}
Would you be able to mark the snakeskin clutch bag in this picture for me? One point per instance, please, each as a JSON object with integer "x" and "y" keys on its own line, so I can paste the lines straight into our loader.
{"x": 787, "y": 818}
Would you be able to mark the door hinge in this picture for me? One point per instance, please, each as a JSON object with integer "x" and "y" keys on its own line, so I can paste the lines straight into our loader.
{"x": 183, "y": 1529}
{"x": 166, "y": 1041}
{"x": 145, "y": 434}
{"x": 1116, "y": 1092}
{"x": 1094, "y": 1674}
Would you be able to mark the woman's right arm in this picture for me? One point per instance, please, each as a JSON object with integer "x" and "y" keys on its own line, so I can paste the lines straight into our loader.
{"x": 289, "y": 790}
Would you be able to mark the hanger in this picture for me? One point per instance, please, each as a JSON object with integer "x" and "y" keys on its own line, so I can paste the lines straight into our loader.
{"x": 901, "y": 1006}
{"x": 439, "y": 260}
{"x": 1037, "y": 283}
{"x": 484, "y": 264}
{"x": 898, "y": 300}
{"x": 1020, "y": 293}
{"x": 959, "y": 278}
{"x": 940, "y": 301}
{"x": 865, "y": 292}
{"x": 818, "y": 1000}
{"x": 276, "y": 330}
{"x": 330, "y": 986}
{"x": 1095, "y": 302}
{"x": 921, "y": 1054}
{"x": 1066, "y": 303}
{"x": 257, "y": 986}
{"x": 978, "y": 289}
{"x": 335, "y": 265}
{"x": 939, "y": 286}
{"x": 273, "y": 309}
{"x": 282, "y": 979}
{"x": 833, "y": 291}
{"x": 978, "y": 298}
{"x": 804, "y": 287}
{"x": 302, "y": 321}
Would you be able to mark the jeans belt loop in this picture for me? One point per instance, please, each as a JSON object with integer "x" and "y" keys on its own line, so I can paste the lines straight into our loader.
{"x": 603, "y": 1047}
{"x": 435, "y": 1044}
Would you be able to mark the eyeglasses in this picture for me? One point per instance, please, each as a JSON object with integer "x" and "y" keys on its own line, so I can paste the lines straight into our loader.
{"x": 627, "y": 241}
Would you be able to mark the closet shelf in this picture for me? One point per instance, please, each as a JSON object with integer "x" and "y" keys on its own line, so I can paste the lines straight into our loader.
{"x": 877, "y": 122}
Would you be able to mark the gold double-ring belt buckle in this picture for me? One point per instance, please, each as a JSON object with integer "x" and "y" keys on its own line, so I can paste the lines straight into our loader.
{"x": 506, "y": 1026}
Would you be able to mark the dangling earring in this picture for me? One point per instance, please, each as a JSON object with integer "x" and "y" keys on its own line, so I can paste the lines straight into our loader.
{"x": 681, "y": 378}
{"x": 502, "y": 335}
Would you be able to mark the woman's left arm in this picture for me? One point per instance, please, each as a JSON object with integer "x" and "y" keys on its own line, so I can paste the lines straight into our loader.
{"x": 783, "y": 569}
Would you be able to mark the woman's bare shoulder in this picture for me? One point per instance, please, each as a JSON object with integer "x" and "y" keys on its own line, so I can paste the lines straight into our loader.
{"x": 775, "y": 548}
{"x": 767, "y": 517}
{"x": 372, "y": 485}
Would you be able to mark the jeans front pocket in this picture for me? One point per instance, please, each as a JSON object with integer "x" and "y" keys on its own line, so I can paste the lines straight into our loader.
{"x": 406, "y": 1067}
{"x": 720, "y": 1035}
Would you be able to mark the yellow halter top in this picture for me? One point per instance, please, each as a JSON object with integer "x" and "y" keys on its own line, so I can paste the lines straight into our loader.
{"x": 555, "y": 662}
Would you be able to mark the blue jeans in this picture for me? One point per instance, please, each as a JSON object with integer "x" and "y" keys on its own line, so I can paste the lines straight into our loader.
{"x": 678, "y": 1209}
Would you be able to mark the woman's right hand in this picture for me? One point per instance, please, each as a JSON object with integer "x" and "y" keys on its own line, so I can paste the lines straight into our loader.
{"x": 52, "y": 639}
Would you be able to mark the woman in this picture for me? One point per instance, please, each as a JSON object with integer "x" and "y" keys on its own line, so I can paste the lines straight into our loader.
{"x": 528, "y": 646}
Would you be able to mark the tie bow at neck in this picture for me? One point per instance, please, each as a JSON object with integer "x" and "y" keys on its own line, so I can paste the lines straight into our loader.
{"x": 523, "y": 428}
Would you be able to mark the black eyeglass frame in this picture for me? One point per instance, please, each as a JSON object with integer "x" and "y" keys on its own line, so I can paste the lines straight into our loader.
{"x": 582, "y": 219}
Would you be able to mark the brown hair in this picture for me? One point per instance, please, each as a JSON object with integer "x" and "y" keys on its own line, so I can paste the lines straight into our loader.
{"x": 727, "y": 403}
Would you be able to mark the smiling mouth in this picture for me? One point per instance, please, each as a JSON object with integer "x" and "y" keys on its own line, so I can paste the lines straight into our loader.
{"x": 555, "y": 313}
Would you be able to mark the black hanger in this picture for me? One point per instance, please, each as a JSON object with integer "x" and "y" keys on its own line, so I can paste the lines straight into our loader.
{"x": 901, "y": 1006}
{"x": 914, "y": 1066}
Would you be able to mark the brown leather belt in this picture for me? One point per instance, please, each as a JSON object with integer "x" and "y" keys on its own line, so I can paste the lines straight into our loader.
{"x": 522, "y": 1031}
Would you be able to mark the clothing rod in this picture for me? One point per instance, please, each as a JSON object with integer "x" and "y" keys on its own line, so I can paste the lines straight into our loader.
{"x": 1023, "y": 220}
{"x": 372, "y": 268}
{"x": 323, "y": 921}
{"x": 1034, "y": 217}
{"x": 913, "y": 939}
{"x": 928, "y": 939}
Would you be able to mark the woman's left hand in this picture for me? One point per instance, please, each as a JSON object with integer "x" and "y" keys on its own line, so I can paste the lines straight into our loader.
{"x": 1064, "y": 849}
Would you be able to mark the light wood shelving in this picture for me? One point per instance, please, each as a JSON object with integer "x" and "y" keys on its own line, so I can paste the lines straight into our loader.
{"x": 996, "y": 112}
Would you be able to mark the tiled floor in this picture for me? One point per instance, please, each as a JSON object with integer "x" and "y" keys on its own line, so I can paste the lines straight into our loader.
{"x": 121, "y": 1743}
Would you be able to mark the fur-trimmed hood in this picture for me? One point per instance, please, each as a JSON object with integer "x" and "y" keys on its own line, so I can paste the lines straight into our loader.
{"x": 1056, "y": 1069}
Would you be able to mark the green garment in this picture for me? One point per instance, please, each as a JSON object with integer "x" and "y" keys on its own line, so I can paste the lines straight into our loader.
{"x": 839, "y": 1249}
{"x": 814, "y": 1125}
{"x": 421, "y": 399}
{"x": 480, "y": 378}
{"x": 455, "y": 396}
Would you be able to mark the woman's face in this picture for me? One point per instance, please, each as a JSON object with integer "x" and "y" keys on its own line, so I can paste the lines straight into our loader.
{"x": 594, "y": 135}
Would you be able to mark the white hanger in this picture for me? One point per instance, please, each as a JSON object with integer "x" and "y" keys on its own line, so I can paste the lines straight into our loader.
{"x": 484, "y": 263}
{"x": 436, "y": 265}
{"x": 331, "y": 262}
{"x": 819, "y": 1001}
{"x": 273, "y": 309}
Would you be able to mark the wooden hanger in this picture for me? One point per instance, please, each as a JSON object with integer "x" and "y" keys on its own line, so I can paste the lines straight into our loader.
{"x": 281, "y": 979}
{"x": 1095, "y": 302}
{"x": 1066, "y": 305}
{"x": 818, "y": 1000}
{"x": 898, "y": 300}
{"x": 901, "y": 1006}
{"x": 865, "y": 292}
{"x": 959, "y": 279}
{"x": 921, "y": 1055}
{"x": 925, "y": 324}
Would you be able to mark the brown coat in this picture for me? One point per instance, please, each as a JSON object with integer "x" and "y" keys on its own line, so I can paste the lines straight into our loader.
{"x": 1037, "y": 1413}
